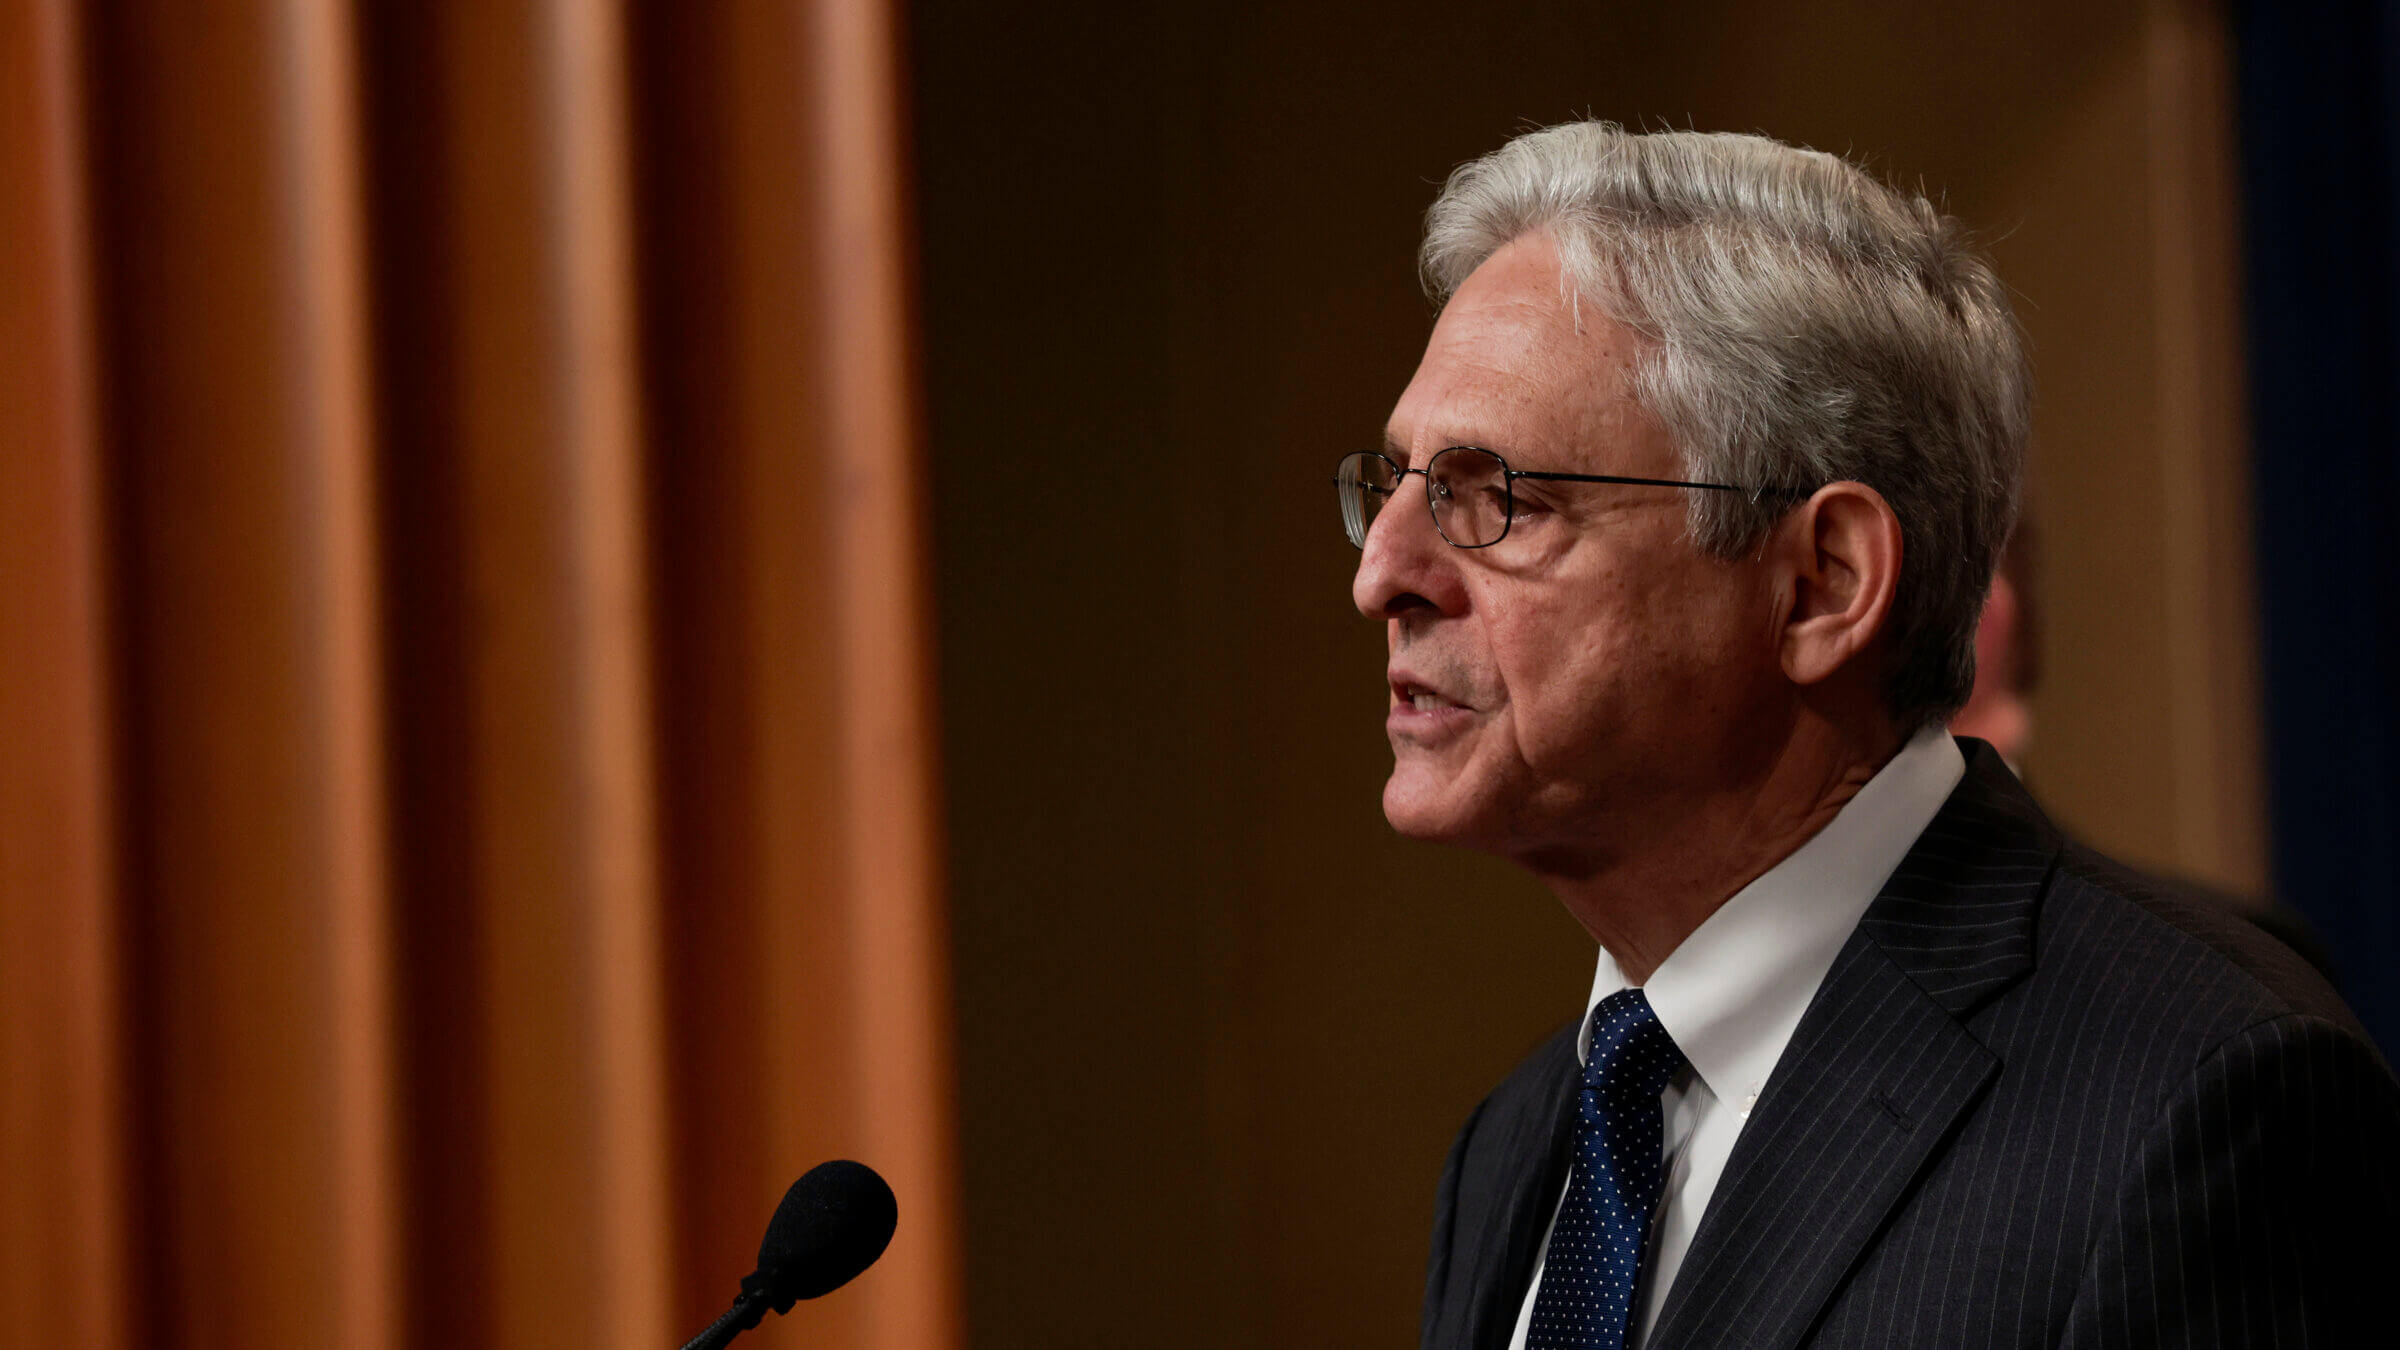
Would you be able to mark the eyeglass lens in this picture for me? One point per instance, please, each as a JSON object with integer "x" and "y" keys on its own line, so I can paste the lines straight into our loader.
{"x": 1466, "y": 488}
{"x": 1365, "y": 482}
{"x": 1469, "y": 492}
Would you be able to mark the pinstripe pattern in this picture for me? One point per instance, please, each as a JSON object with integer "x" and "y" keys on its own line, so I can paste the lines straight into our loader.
{"x": 2034, "y": 1103}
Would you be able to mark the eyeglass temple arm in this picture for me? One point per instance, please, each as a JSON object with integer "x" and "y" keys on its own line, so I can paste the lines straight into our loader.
{"x": 1647, "y": 482}
{"x": 1515, "y": 474}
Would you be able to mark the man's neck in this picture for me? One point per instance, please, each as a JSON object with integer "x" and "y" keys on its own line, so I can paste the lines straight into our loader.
{"x": 1642, "y": 903}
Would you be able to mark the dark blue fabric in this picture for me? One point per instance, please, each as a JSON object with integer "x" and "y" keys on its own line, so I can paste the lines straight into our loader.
{"x": 2319, "y": 94}
{"x": 1594, "y": 1266}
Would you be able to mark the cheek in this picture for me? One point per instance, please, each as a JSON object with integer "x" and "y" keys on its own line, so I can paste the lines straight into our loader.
{"x": 1616, "y": 664}
{"x": 1709, "y": 648}
{"x": 1568, "y": 670}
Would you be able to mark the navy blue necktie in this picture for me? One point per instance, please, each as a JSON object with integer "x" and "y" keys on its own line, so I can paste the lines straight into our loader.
{"x": 1594, "y": 1266}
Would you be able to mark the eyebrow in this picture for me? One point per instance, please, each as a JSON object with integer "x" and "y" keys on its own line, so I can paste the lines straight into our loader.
{"x": 1399, "y": 453}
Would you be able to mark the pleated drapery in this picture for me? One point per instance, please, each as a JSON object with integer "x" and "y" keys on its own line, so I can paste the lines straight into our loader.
{"x": 466, "y": 808}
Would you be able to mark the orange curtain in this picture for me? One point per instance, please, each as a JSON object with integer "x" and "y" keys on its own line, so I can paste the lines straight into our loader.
{"x": 467, "y": 823}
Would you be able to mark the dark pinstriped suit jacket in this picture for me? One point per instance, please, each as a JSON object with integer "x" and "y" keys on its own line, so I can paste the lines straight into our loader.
{"x": 2033, "y": 1104}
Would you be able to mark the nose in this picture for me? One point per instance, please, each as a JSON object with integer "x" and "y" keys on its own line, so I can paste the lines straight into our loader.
{"x": 1406, "y": 565}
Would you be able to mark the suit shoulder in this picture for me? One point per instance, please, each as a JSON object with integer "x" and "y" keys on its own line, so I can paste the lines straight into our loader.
{"x": 2165, "y": 965}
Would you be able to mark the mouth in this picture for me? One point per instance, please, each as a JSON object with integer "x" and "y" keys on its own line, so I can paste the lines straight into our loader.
{"x": 1408, "y": 694}
{"x": 1421, "y": 713}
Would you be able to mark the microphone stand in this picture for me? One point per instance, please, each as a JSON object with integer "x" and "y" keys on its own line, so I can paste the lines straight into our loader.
{"x": 746, "y": 1312}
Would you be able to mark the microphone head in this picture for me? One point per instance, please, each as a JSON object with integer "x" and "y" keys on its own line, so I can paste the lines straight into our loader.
{"x": 832, "y": 1224}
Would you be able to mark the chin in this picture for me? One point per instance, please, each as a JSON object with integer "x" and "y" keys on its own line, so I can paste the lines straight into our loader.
{"x": 1431, "y": 813}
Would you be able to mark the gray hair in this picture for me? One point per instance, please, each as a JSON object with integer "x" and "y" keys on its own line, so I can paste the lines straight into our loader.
{"x": 1805, "y": 324}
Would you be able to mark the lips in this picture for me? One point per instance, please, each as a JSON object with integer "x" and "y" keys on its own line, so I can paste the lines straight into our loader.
{"x": 1422, "y": 710}
{"x": 1421, "y": 697}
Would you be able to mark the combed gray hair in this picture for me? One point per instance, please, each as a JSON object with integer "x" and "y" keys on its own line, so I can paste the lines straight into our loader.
{"x": 1805, "y": 324}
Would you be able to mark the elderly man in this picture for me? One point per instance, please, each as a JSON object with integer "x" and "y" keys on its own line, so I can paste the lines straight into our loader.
{"x": 1679, "y": 535}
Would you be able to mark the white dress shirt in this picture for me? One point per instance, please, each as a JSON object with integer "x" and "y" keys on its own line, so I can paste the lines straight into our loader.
{"x": 1733, "y": 993}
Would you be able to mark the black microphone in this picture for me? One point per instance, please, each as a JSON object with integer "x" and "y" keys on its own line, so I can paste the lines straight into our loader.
{"x": 832, "y": 1224}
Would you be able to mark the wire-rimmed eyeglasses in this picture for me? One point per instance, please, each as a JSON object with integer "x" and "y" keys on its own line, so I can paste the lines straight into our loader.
{"x": 1470, "y": 490}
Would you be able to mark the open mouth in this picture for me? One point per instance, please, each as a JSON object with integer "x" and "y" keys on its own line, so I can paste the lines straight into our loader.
{"x": 1420, "y": 698}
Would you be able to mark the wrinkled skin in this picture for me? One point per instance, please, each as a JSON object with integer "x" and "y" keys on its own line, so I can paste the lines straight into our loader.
{"x": 1609, "y": 705}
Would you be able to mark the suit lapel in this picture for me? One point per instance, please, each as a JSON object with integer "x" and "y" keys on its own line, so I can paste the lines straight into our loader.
{"x": 1875, "y": 1076}
{"x": 1512, "y": 1233}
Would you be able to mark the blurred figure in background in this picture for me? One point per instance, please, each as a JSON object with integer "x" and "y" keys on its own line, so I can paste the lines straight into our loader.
{"x": 2008, "y": 666}
{"x": 2008, "y": 652}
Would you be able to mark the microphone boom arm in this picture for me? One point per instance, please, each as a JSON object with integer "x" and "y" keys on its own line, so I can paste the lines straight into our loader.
{"x": 746, "y": 1312}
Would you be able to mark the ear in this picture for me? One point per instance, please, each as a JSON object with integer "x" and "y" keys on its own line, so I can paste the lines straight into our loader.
{"x": 1843, "y": 550}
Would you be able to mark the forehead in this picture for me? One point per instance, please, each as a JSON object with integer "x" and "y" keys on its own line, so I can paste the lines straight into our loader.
{"x": 1515, "y": 363}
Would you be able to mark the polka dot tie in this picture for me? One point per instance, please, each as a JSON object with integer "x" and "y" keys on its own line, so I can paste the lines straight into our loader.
{"x": 1594, "y": 1266}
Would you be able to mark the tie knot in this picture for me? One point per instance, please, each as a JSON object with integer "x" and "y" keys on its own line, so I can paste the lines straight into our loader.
{"x": 1632, "y": 1056}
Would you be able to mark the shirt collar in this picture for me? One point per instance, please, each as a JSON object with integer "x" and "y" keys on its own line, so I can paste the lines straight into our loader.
{"x": 1732, "y": 994}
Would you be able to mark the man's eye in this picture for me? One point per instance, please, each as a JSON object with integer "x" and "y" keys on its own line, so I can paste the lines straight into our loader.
{"x": 1527, "y": 507}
